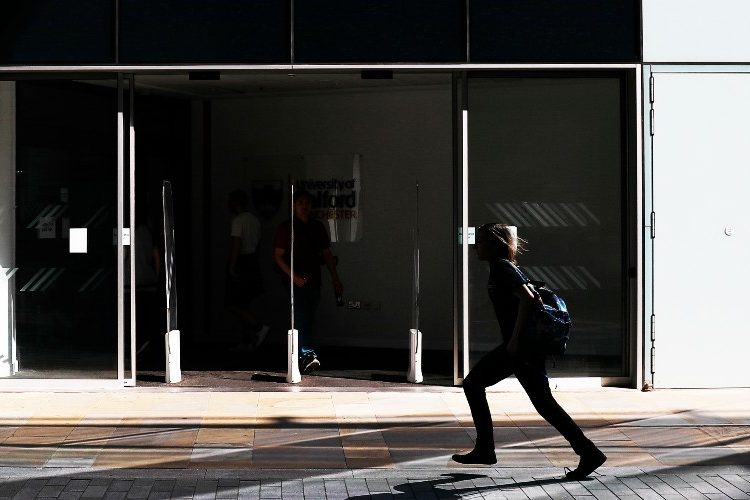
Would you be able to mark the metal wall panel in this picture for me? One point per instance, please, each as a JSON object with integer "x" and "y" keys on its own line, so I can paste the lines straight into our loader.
{"x": 689, "y": 31}
{"x": 55, "y": 32}
{"x": 343, "y": 31}
{"x": 311, "y": 32}
{"x": 702, "y": 233}
{"x": 205, "y": 31}
{"x": 554, "y": 31}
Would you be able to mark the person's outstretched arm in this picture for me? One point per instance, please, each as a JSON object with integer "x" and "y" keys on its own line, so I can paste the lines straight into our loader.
{"x": 331, "y": 265}
{"x": 525, "y": 299}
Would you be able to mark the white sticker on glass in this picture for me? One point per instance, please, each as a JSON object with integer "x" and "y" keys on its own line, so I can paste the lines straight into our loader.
{"x": 78, "y": 240}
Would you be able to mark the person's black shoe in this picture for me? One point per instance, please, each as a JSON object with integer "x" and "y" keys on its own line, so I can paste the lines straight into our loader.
{"x": 590, "y": 461}
{"x": 310, "y": 364}
{"x": 476, "y": 456}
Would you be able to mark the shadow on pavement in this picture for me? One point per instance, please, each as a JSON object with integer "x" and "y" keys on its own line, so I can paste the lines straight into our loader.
{"x": 415, "y": 489}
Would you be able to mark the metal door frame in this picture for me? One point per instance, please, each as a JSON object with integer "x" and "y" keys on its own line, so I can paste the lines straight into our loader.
{"x": 124, "y": 140}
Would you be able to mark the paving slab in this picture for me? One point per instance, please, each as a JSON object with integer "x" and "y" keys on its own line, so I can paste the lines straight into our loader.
{"x": 387, "y": 441}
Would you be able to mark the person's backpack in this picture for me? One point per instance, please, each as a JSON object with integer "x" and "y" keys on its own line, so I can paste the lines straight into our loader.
{"x": 548, "y": 326}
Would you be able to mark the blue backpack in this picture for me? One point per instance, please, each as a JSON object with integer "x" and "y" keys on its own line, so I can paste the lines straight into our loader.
{"x": 548, "y": 326}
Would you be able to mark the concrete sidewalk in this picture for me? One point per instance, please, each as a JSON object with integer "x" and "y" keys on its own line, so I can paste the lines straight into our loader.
{"x": 141, "y": 443}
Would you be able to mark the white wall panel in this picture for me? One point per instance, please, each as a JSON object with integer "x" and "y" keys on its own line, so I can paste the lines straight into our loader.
{"x": 701, "y": 174}
{"x": 696, "y": 31}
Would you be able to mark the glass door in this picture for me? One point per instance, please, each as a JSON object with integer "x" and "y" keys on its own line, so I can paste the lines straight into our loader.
{"x": 64, "y": 291}
{"x": 546, "y": 154}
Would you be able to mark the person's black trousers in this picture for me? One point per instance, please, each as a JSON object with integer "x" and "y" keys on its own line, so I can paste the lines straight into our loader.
{"x": 530, "y": 372}
{"x": 306, "y": 300}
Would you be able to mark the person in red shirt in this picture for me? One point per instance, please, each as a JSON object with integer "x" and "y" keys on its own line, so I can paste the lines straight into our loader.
{"x": 311, "y": 243}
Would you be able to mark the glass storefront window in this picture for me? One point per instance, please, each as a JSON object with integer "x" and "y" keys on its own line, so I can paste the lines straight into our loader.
{"x": 545, "y": 155}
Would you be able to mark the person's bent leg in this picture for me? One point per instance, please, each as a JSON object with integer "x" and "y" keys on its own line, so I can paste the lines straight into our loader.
{"x": 301, "y": 319}
{"x": 306, "y": 301}
{"x": 491, "y": 369}
{"x": 533, "y": 378}
{"x": 312, "y": 300}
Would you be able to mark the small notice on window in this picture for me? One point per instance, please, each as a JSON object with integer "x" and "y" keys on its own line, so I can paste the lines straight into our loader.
{"x": 78, "y": 240}
{"x": 46, "y": 228}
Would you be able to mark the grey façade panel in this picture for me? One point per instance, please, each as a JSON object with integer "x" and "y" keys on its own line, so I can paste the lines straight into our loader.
{"x": 205, "y": 31}
{"x": 54, "y": 32}
{"x": 549, "y": 31}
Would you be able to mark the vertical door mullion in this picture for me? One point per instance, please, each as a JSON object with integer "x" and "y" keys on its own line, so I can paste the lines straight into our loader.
{"x": 461, "y": 203}
{"x": 455, "y": 127}
{"x": 465, "y": 228}
{"x": 131, "y": 191}
{"x": 118, "y": 237}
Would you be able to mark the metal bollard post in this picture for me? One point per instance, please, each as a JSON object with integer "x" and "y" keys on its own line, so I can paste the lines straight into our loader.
{"x": 293, "y": 375}
{"x": 415, "y": 357}
{"x": 172, "y": 344}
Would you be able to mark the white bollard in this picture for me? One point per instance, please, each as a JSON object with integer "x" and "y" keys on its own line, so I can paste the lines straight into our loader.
{"x": 293, "y": 376}
{"x": 415, "y": 357}
{"x": 172, "y": 345}
{"x": 8, "y": 365}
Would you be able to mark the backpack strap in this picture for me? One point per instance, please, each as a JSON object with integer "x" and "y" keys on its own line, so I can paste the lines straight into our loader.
{"x": 534, "y": 283}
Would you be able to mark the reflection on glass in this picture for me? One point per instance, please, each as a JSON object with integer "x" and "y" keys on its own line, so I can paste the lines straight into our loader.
{"x": 542, "y": 214}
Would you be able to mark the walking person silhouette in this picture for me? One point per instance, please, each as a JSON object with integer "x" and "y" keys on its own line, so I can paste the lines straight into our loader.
{"x": 513, "y": 298}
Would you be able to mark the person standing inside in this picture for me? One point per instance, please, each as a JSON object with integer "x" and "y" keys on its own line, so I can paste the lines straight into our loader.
{"x": 513, "y": 298}
{"x": 243, "y": 272}
{"x": 311, "y": 244}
